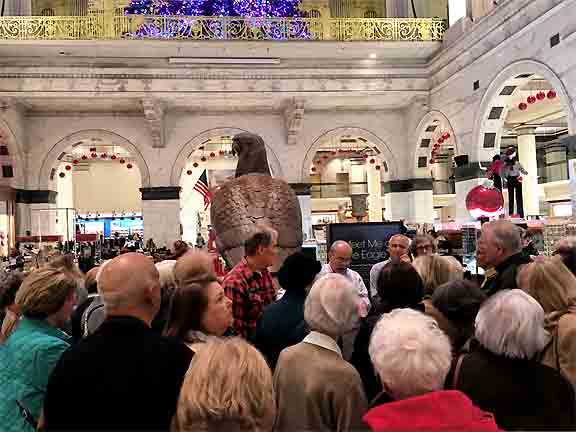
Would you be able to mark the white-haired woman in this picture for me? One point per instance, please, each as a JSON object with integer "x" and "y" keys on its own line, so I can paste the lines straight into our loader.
{"x": 412, "y": 357}
{"x": 502, "y": 376}
{"x": 316, "y": 389}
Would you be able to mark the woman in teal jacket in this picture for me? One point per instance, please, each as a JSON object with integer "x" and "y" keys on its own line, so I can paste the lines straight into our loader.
{"x": 45, "y": 301}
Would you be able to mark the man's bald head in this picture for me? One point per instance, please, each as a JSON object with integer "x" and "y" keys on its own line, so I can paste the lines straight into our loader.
{"x": 340, "y": 256}
{"x": 130, "y": 285}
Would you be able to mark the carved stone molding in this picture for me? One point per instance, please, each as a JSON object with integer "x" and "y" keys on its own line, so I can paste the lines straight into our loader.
{"x": 154, "y": 114}
{"x": 294, "y": 118}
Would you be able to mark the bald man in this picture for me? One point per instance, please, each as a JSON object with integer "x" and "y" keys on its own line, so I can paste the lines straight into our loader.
{"x": 398, "y": 247}
{"x": 339, "y": 259}
{"x": 124, "y": 376}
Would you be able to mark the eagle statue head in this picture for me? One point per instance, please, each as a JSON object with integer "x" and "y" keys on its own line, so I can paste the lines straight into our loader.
{"x": 251, "y": 152}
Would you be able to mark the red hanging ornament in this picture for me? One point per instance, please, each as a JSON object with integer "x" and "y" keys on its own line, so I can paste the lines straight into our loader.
{"x": 212, "y": 154}
{"x": 129, "y": 166}
{"x": 482, "y": 201}
{"x": 94, "y": 155}
{"x": 551, "y": 94}
{"x": 531, "y": 99}
{"x": 84, "y": 157}
{"x": 372, "y": 161}
{"x": 313, "y": 169}
{"x": 189, "y": 172}
{"x": 122, "y": 161}
{"x": 522, "y": 106}
{"x": 195, "y": 164}
{"x": 113, "y": 157}
{"x": 378, "y": 167}
{"x": 203, "y": 159}
{"x": 75, "y": 161}
{"x": 540, "y": 95}
{"x": 440, "y": 140}
{"x": 68, "y": 167}
{"x": 222, "y": 152}
{"x": 103, "y": 155}
{"x": 446, "y": 136}
{"x": 62, "y": 175}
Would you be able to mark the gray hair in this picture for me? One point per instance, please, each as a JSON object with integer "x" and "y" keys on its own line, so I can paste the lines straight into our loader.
{"x": 506, "y": 234}
{"x": 332, "y": 305}
{"x": 511, "y": 323}
{"x": 260, "y": 235}
{"x": 410, "y": 353}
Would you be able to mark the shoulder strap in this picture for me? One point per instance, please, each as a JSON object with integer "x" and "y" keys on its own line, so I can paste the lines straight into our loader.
{"x": 457, "y": 370}
{"x": 88, "y": 314}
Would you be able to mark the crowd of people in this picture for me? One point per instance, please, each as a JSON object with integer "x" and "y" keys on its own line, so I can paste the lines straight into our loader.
{"x": 135, "y": 345}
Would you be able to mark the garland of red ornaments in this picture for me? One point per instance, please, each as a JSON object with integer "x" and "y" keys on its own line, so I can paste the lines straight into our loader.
{"x": 94, "y": 155}
{"x": 203, "y": 158}
{"x": 318, "y": 162}
{"x": 540, "y": 96}
{"x": 443, "y": 137}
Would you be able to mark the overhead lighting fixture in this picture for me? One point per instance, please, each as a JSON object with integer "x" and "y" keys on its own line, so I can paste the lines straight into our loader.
{"x": 373, "y": 56}
{"x": 223, "y": 60}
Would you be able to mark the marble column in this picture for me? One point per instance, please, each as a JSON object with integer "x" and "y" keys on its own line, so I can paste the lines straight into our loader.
{"x": 569, "y": 143}
{"x": 527, "y": 157}
{"x": 374, "y": 181}
{"x": 398, "y": 9}
{"x": 17, "y": 7}
{"x": 411, "y": 200}
{"x": 458, "y": 9}
{"x": 467, "y": 177}
{"x": 35, "y": 212}
{"x": 302, "y": 191}
{"x": 161, "y": 214}
{"x": 555, "y": 156}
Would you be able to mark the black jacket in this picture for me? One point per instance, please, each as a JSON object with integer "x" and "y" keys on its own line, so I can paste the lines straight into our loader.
{"x": 281, "y": 325}
{"x": 506, "y": 274}
{"x": 123, "y": 377}
{"x": 522, "y": 394}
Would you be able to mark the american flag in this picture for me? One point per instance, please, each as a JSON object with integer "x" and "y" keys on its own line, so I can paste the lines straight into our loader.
{"x": 201, "y": 187}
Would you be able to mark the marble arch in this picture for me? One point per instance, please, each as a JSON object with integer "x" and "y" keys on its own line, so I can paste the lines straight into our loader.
{"x": 492, "y": 98}
{"x": 67, "y": 142}
{"x": 198, "y": 140}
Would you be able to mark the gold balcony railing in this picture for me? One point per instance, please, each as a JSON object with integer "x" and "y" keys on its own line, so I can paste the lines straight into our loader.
{"x": 110, "y": 27}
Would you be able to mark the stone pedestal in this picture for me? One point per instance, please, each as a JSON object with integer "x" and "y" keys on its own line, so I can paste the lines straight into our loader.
{"x": 161, "y": 215}
{"x": 527, "y": 157}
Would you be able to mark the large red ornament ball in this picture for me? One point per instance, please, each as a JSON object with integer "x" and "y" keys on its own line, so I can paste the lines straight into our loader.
{"x": 84, "y": 157}
{"x": 195, "y": 164}
{"x": 551, "y": 94}
{"x": 62, "y": 175}
{"x": 531, "y": 99}
{"x": 129, "y": 166}
{"x": 540, "y": 95}
{"x": 212, "y": 154}
{"x": 522, "y": 106}
{"x": 203, "y": 159}
{"x": 189, "y": 172}
{"x": 122, "y": 161}
{"x": 68, "y": 167}
{"x": 113, "y": 157}
{"x": 75, "y": 161}
{"x": 483, "y": 201}
{"x": 94, "y": 155}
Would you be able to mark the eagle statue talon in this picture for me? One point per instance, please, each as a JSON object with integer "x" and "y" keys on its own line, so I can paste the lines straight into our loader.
{"x": 254, "y": 197}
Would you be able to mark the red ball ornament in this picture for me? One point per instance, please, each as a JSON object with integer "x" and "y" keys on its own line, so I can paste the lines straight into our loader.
{"x": 378, "y": 167}
{"x": 212, "y": 154}
{"x": 221, "y": 152}
{"x": 94, "y": 155}
{"x": 62, "y": 175}
{"x": 531, "y": 99}
{"x": 446, "y": 136}
{"x": 103, "y": 155}
{"x": 113, "y": 157}
{"x": 540, "y": 95}
{"x": 84, "y": 157}
{"x": 203, "y": 159}
{"x": 195, "y": 164}
{"x": 551, "y": 94}
{"x": 129, "y": 166}
{"x": 122, "y": 161}
{"x": 189, "y": 172}
{"x": 313, "y": 169}
{"x": 75, "y": 161}
{"x": 522, "y": 106}
{"x": 68, "y": 167}
{"x": 440, "y": 140}
{"x": 484, "y": 201}
{"x": 372, "y": 161}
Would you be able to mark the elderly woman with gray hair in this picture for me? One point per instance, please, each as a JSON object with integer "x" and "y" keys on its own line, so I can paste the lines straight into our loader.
{"x": 316, "y": 388}
{"x": 502, "y": 375}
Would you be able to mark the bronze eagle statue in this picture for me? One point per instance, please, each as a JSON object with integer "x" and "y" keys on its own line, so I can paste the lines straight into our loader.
{"x": 254, "y": 197}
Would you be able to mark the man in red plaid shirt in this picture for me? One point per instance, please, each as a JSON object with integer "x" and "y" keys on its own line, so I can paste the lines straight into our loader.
{"x": 249, "y": 285}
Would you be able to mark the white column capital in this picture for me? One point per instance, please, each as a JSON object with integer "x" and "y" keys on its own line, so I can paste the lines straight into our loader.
{"x": 525, "y": 130}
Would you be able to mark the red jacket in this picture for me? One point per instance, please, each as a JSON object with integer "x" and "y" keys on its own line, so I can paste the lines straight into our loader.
{"x": 445, "y": 411}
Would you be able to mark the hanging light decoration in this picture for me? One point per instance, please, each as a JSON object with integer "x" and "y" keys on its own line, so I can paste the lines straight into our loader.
{"x": 522, "y": 106}
{"x": 551, "y": 94}
{"x": 540, "y": 95}
{"x": 67, "y": 167}
{"x": 531, "y": 99}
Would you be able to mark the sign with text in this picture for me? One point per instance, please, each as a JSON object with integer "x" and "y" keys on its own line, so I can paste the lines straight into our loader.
{"x": 369, "y": 243}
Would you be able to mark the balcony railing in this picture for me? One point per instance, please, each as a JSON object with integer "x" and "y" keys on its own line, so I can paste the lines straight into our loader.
{"x": 111, "y": 27}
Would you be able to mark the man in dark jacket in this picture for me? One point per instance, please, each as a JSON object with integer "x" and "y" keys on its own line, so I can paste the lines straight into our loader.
{"x": 499, "y": 253}
{"x": 124, "y": 376}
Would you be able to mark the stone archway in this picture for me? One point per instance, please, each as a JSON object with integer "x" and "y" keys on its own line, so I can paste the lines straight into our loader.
{"x": 494, "y": 107}
{"x": 378, "y": 142}
{"x": 198, "y": 140}
{"x": 57, "y": 151}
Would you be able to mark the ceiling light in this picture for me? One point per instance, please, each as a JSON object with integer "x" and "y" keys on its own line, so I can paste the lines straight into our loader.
{"x": 373, "y": 56}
